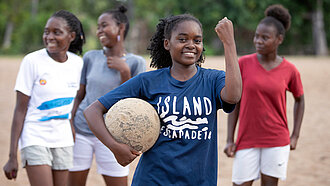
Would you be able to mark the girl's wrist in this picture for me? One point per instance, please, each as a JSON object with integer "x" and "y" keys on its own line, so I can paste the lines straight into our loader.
{"x": 13, "y": 155}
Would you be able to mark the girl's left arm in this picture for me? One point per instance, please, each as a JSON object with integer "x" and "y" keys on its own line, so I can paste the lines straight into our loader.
{"x": 94, "y": 117}
{"x": 298, "y": 113}
{"x": 232, "y": 91}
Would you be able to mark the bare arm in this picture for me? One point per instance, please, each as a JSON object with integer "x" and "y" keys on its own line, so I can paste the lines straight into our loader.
{"x": 298, "y": 113}
{"x": 120, "y": 65}
{"x": 231, "y": 127}
{"x": 94, "y": 116}
{"x": 11, "y": 166}
{"x": 232, "y": 91}
{"x": 79, "y": 97}
{"x": 125, "y": 74}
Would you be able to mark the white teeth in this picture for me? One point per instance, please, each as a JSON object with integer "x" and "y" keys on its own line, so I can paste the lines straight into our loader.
{"x": 51, "y": 44}
{"x": 189, "y": 54}
{"x": 102, "y": 37}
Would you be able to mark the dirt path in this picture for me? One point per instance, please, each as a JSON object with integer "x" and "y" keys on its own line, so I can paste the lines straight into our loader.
{"x": 309, "y": 165}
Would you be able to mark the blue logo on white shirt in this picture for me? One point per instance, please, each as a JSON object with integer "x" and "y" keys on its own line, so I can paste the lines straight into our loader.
{"x": 55, "y": 103}
{"x": 46, "y": 118}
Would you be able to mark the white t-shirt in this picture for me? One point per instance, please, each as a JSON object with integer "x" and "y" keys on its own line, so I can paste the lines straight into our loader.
{"x": 52, "y": 87}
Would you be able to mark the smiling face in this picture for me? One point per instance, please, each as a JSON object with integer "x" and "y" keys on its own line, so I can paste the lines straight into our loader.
{"x": 57, "y": 36}
{"x": 185, "y": 44}
{"x": 266, "y": 40}
{"x": 107, "y": 30}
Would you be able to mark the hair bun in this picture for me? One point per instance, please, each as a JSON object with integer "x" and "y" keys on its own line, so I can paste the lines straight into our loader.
{"x": 280, "y": 13}
{"x": 122, "y": 9}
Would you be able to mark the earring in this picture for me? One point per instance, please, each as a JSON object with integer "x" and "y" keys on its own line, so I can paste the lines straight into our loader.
{"x": 118, "y": 38}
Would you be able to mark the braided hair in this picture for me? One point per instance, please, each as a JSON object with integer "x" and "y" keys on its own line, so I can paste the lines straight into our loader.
{"x": 160, "y": 57}
{"x": 278, "y": 16}
{"x": 75, "y": 26}
{"x": 120, "y": 17}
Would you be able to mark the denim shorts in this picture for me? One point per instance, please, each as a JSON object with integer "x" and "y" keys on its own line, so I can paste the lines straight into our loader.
{"x": 60, "y": 158}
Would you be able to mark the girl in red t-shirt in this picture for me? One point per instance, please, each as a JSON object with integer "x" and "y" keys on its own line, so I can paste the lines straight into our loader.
{"x": 263, "y": 142}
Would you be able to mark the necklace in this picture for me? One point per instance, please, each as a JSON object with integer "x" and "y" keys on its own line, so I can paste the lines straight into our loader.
{"x": 104, "y": 52}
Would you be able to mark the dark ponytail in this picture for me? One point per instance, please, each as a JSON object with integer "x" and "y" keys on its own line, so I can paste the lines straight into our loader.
{"x": 160, "y": 57}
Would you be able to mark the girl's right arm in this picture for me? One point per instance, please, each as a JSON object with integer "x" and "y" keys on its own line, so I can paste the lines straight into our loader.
{"x": 78, "y": 99}
{"x": 231, "y": 126}
{"x": 232, "y": 91}
{"x": 94, "y": 116}
{"x": 121, "y": 66}
{"x": 11, "y": 166}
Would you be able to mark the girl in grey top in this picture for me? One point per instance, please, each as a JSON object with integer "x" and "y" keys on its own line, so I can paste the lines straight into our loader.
{"x": 103, "y": 71}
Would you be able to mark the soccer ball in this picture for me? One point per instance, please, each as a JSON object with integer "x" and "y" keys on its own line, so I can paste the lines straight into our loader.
{"x": 134, "y": 122}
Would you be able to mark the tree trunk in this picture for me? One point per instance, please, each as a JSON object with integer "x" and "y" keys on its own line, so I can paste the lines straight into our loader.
{"x": 319, "y": 37}
{"x": 11, "y": 21}
{"x": 34, "y": 8}
{"x": 132, "y": 37}
{"x": 7, "y": 38}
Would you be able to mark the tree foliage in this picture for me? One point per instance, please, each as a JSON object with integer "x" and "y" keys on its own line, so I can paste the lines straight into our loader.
{"x": 145, "y": 14}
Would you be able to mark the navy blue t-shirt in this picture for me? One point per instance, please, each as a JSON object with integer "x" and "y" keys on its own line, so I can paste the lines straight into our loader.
{"x": 186, "y": 150}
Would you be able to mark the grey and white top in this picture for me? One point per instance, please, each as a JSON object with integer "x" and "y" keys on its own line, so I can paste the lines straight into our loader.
{"x": 99, "y": 79}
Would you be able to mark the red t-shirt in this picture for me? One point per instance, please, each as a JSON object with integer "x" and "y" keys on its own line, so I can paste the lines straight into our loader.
{"x": 262, "y": 116}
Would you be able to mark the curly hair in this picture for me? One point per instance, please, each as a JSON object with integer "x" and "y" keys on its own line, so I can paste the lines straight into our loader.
{"x": 75, "y": 26}
{"x": 120, "y": 17}
{"x": 278, "y": 16}
{"x": 160, "y": 57}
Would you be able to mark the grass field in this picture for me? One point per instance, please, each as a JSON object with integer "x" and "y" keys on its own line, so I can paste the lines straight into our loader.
{"x": 309, "y": 164}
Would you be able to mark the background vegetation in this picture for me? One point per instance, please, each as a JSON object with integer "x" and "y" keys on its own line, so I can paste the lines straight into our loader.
{"x": 22, "y": 22}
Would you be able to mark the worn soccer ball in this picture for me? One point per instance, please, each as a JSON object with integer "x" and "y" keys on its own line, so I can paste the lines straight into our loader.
{"x": 134, "y": 122}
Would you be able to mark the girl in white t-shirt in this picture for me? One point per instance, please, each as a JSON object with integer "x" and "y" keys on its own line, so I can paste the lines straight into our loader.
{"x": 46, "y": 85}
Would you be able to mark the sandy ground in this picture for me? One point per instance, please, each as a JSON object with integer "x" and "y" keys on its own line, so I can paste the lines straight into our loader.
{"x": 309, "y": 164}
